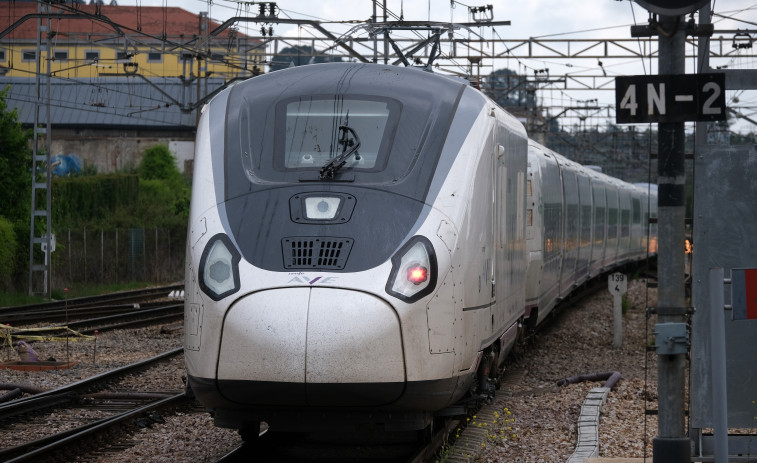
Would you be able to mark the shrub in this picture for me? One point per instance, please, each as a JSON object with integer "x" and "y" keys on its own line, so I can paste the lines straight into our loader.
{"x": 15, "y": 156}
{"x": 93, "y": 201}
{"x": 8, "y": 247}
{"x": 158, "y": 163}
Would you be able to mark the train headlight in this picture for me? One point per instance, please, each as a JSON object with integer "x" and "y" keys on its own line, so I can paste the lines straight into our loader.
{"x": 321, "y": 207}
{"x": 219, "y": 268}
{"x": 413, "y": 270}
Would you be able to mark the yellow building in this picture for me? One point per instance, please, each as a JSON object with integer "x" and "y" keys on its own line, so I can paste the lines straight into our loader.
{"x": 91, "y": 41}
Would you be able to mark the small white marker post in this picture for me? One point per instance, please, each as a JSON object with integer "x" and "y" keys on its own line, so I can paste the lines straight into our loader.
{"x": 618, "y": 285}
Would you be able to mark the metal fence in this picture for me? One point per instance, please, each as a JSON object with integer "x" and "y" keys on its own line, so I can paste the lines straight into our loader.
{"x": 118, "y": 256}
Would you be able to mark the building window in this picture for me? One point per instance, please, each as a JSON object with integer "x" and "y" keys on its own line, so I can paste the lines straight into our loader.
{"x": 92, "y": 55}
{"x": 217, "y": 56}
{"x": 28, "y": 55}
{"x": 122, "y": 55}
{"x": 186, "y": 56}
{"x": 2, "y": 55}
{"x": 154, "y": 57}
{"x": 60, "y": 55}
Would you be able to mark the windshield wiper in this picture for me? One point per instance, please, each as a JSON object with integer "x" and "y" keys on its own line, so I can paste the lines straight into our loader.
{"x": 330, "y": 168}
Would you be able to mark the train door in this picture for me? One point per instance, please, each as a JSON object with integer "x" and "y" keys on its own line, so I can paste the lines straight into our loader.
{"x": 500, "y": 199}
{"x": 613, "y": 224}
{"x": 509, "y": 232}
{"x": 478, "y": 283}
{"x": 570, "y": 228}
{"x": 510, "y": 264}
{"x": 553, "y": 232}
{"x": 599, "y": 199}
{"x": 584, "y": 246}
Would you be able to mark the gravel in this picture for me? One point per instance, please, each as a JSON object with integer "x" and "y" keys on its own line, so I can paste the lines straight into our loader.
{"x": 537, "y": 421}
{"x": 543, "y": 417}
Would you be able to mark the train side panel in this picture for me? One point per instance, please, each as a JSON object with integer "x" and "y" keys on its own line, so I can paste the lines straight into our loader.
{"x": 485, "y": 198}
{"x": 510, "y": 239}
{"x": 571, "y": 211}
{"x": 548, "y": 238}
{"x": 599, "y": 234}
{"x": 586, "y": 226}
{"x": 613, "y": 225}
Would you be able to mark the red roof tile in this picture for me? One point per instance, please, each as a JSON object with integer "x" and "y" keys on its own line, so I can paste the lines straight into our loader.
{"x": 150, "y": 20}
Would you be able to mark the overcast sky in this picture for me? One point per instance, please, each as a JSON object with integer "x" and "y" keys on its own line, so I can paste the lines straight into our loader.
{"x": 554, "y": 19}
{"x": 530, "y": 18}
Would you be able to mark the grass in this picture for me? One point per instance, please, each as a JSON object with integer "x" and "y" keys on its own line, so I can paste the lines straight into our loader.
{"x": 625, "y": 304}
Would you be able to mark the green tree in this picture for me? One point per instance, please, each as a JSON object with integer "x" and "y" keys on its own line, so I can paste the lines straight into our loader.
{"x": 157, "y": 163}
{"x": 163, "y": 191}
{"x": 298, "y": 56}
{"x": 15, "y": 162}
{"x": 15, "y": 195}
{"x": 7, "y": 253}
{"x": 507, "y": 88}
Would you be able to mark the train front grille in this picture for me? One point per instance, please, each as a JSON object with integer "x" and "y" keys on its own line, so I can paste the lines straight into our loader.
{"x": 316, "y": 253}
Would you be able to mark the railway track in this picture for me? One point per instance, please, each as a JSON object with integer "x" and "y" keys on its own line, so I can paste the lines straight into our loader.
{"x": 119, "y": 444}
{"x": 92, "y": 315}
{"x": 46, "y": 447}
{"x": 131, "y": 319}
{"x": 463, "y": 438}
{"x": 324, "y": 446}
{"x": 102, "y": 410}
{"x": 87, "y": 307}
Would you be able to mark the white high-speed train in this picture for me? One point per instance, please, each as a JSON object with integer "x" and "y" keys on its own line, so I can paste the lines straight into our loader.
{"x": 366, "y": 243}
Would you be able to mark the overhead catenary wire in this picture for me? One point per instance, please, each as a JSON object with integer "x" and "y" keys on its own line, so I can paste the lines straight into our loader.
{"x": 452, "y": 65}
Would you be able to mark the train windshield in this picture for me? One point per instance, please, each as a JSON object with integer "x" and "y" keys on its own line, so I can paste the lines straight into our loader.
{"x": 353, "y": 123}
{"x": 317, "y": 130}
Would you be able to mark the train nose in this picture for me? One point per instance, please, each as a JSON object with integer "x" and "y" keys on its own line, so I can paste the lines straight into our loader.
{"x": 311, "y": 346}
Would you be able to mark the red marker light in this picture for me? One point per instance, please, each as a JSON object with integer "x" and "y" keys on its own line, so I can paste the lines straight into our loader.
{"x": 417, "y": 274}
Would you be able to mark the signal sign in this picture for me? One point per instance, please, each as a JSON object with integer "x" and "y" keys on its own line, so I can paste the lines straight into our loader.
{"x": 744, "y": 296}
{"x": 617, "y": 283}
{"x": 670, "y": 98}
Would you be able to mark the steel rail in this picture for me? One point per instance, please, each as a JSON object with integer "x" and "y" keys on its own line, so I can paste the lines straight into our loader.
{"x": 89, "y": 301}
{"x": 52, "y": 443}
{"x": 77, "y": 313}
{"x": 71, "y": 391}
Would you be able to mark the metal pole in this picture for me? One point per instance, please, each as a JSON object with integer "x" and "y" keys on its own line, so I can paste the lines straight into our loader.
{"x": 703, "y": 65}
{"x": 375, "y": 38}
{"x": 717, "y": 366}
{"x": 386, "y": 37}
{"x": 671, "y": 445}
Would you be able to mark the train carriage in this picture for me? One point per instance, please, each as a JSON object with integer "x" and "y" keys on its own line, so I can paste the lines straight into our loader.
{"x": 366, "y": 242}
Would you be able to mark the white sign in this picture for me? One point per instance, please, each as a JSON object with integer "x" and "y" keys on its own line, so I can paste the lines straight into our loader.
{"x": 52, "y": 244}
{"x": 617, "y": 283}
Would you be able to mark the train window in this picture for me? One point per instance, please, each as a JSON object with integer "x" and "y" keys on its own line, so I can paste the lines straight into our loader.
{"x": 636, "y": 210}
{"x": 612, "y": 223}
{"x": 317, "y": 130}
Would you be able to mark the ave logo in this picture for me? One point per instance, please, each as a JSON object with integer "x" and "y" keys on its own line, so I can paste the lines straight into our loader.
{"x": 302, "y": 279}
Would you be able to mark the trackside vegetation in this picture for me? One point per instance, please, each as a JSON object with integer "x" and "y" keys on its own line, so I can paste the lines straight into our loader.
{"x": 147, "y": 205}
